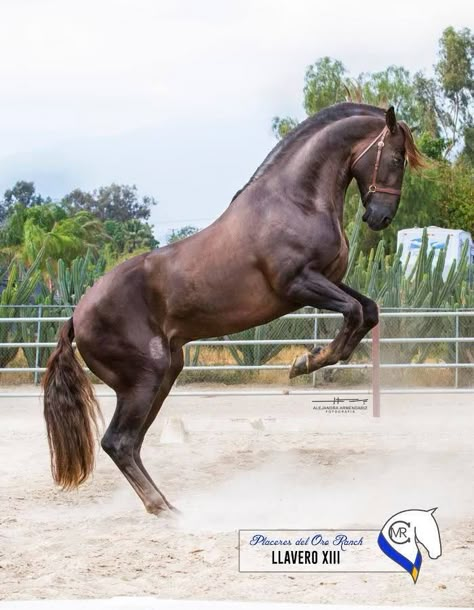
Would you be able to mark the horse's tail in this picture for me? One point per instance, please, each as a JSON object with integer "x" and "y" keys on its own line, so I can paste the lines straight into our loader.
{"x": 71, "y": 412}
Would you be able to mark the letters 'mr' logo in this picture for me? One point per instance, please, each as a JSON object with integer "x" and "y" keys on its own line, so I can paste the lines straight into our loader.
{"x": 399, "y": 532}
{"x": 401, "y": 535}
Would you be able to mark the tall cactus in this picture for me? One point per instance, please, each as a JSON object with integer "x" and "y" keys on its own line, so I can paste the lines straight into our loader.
{"x": 20, "y": 286}
{"x": 67, "y": 285}
{"x": 71, "y": 282}
{"x": 384, "y": 278}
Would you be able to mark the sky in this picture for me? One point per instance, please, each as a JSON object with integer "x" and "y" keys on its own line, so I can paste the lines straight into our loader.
{"x": 177, "y": 97}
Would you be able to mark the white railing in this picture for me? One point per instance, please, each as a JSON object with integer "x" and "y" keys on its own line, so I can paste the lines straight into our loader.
{"x": 43, "y": 318}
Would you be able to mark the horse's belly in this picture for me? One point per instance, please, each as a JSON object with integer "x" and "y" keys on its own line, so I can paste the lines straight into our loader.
{"x": 228, "y": 307}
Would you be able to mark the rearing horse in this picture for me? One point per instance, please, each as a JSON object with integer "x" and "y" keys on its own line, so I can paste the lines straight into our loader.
{"x": 280, "y": 245}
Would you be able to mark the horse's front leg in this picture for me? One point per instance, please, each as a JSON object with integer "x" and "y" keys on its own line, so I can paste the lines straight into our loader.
{"x": 313, "y": 289}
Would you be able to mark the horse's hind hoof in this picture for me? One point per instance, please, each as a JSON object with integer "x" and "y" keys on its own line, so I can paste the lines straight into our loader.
{"x": 300, "y": 366}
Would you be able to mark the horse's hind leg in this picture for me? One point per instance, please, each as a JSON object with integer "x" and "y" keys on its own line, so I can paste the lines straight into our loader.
{"x": 125, "y": 429}
{"x": 371, "y": 318}
{"x": 176, "y": 366}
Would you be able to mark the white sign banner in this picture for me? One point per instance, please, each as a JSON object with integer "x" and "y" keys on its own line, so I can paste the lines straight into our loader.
{"x": 351, "y": 550}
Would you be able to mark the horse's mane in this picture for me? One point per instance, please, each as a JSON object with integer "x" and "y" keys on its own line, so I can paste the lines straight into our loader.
{"x": 413, "y": 154}
{"x": 318, "y": 121}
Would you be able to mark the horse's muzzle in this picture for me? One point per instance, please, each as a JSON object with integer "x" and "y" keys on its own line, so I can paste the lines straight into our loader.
{"x": 378, "y": 217}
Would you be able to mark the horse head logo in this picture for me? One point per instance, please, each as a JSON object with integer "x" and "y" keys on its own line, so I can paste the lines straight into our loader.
{"x": 401, "y": 535}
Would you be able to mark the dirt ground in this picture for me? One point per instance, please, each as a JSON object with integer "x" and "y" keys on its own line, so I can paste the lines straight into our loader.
{"x": 246, "y": 462}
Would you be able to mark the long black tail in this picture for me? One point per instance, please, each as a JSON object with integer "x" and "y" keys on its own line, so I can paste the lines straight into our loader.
{"x": 71, "y": 412}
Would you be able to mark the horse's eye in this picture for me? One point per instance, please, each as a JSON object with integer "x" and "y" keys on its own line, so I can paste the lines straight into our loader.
{"x": 397, "y": 161}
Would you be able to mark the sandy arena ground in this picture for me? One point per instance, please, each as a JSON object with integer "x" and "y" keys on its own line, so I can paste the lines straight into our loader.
{"x": 247, "y": 462}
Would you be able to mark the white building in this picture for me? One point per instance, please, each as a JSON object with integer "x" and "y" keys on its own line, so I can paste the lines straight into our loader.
{"x": 438, "y": 240}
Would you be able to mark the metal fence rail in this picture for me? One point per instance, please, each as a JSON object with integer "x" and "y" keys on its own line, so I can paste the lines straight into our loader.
{"x": 410, "y": 340}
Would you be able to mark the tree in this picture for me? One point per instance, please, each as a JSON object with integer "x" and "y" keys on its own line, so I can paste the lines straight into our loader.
{"x": 178, "y": 234}
{"x": 119, "y": 202}
{"x": 130, "y": 236}
{"x": 456, "y": 195}
{"x": 455, "y": 74}
{"x": 392, "y": 86}
{"x": 23, "y": 193}
{"x": 47, "y": 226}
{"x": 324, "y": 85}
{"x": 467, "y": 154}
{"x": 440, "y": 108}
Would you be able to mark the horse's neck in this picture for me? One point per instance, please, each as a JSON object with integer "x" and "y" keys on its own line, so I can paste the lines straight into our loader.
{"x": 318, "y": 171}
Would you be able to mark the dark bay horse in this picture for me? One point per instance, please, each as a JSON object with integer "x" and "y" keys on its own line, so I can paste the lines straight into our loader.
{"x": 279, "y": 245}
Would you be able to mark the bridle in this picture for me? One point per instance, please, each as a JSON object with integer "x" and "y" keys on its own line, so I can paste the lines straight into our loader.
{"x": 374, "y": 188}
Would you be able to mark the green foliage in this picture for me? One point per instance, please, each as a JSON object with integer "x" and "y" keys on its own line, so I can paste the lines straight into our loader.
{"x": 456, "y": 195}
{"x": 455, "y": 65}
{"x": 467, "y": 155}
{"x": 118, "y": 202}
{"x": 281, "y": 126}
{"x": 440, "y": 107}
{"x": 65, "y": 286}
{"x": 392, "y": 86}
{"x": 381, "y": 276}
{"x": 441, "y": 110}
{"x": 455, "y": 72}
{"x": 69, "y": 282}
{"x": 40, "y": 331}
{"x": 324, "y": 84}
{"x": 432, "y": 147}
{"x": 28, "y": 230}
{"x": 21, "y": 283}
{"x": 178, "y": 234}
{"x": 253, "y": 355}
{"x": 129, "y": 236}
{"x": 23, "y": 193}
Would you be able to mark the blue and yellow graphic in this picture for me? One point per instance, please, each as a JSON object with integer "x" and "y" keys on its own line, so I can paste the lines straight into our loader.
{"x": 401, "y": 534}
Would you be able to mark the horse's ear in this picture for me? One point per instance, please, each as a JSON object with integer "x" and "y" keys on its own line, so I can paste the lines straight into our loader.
{"x": 391, "y": 119}
{"x": 433, "y": 510}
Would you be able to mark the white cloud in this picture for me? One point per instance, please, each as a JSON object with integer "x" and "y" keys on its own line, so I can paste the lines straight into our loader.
{"x": 98, "y": 68}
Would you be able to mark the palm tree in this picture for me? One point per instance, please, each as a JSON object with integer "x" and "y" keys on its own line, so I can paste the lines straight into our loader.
{"x": 28, "y": 230}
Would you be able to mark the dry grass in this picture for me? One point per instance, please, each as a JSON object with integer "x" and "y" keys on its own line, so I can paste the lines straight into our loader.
{"x": 409, "y": 377}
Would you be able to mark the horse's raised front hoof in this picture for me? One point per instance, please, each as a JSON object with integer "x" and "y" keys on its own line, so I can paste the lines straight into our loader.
{"x": 300, "y": 366}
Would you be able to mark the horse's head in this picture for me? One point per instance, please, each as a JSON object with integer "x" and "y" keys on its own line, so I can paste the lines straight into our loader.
{"x": 378, "y": 167}
{"x": 427, "y": 532}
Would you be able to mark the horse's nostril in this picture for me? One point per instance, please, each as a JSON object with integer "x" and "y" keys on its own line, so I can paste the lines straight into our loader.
{"x": 386, "y": 220}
